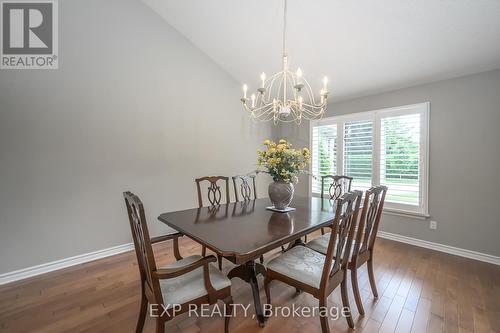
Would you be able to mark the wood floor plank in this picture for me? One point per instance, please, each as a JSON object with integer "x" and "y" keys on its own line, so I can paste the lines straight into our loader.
{"x": 392, "y": 317}
{"x": 421, "y": 291}
{"x": 422, "y": 316}
{"x": 405, "y": 321}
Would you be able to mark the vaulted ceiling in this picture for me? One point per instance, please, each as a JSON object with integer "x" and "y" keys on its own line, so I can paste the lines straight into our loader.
{"x": 363, "y": 46}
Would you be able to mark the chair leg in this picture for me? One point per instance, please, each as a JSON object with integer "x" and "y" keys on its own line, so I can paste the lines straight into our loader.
{"x": 228, "y": 312}
{"x": 219, "y": 259}
{"x": 142, "y": 314}
{"x": 355, "y": 289}
{"x": 261, "y": 259}
{"x": 305, "y": 239}
{"x": 267, "y": 289}
{"x": 325, "y": 328}
{"x": 345, "y": 303}
{"x": 371, "y": 277}
{"x": 203, "y": 251}
{"x": 177, "y": 253}
{"x": 160, "y": 325}
{"x": 322, "y": 231}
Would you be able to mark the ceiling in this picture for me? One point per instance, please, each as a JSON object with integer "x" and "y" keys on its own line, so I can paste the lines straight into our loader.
{"x": 363, "y": 46}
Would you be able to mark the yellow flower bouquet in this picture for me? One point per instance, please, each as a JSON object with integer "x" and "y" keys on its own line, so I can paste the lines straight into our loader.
{"x": 283, "y": 162}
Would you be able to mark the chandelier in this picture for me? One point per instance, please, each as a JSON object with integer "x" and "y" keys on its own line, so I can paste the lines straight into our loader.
{"x": 285, "y": 96}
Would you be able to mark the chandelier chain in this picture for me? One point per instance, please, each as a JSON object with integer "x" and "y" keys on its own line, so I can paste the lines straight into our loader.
{"x": 284, "y": 28}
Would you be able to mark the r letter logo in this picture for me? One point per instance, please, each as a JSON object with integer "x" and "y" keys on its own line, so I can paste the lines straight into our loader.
{"x": 29, "y": 34}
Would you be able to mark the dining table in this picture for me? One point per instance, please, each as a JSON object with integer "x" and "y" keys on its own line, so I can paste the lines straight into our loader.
{"x": 243, "y": 231}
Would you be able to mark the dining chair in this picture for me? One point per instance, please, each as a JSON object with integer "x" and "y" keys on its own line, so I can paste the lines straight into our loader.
{"x": 214, "y": 197}
{"x": 316, "y": 273}
{"x": 176, "y": 286}
{"x": 362, "y": 249}
{"x": 242, "y": 186}
{"x": 337, "y": 185}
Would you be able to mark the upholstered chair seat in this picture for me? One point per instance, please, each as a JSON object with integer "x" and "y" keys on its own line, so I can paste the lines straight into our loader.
{"x": 190, "y": 286}
{"x": 320, "y": 244}
{"x": 300, "y": 263}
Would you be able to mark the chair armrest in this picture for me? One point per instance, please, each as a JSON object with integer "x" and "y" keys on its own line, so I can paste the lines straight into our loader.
{"x": 168, "y": 273}
{"x": 163, "y": 238}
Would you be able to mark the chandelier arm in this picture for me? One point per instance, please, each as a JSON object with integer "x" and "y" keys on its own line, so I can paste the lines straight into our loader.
{"x": 279, "y": 89}
{"x": 313, "y": 110}
{"x": 263, "y": 110}
{"x": 258, "y": 110}
{"x": 271, "y": 84}
{"x": 313, "y": 106}
{"x": 296, "y": 111}
{"x": 291, "y": 78}
{"x": 309, "y": 92}
{"x": 310, "y": 115}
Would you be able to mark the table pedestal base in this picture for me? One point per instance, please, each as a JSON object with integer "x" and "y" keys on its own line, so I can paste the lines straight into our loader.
{"x": 248, "y": 273}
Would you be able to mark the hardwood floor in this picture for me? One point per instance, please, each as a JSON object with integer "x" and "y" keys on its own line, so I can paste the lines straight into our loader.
{"x": 420, "y": 291}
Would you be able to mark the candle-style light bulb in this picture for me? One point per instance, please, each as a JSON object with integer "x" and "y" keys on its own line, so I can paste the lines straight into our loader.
{"x": 300, "y": 101}
{"x": 263, "y": 78}
{"x": 245, "y": 88}
{"x": 325, "y": 82}
{"x": 299, "y": 75}
{"x": 253, "y": 100}
{"x": 322, "y": 94}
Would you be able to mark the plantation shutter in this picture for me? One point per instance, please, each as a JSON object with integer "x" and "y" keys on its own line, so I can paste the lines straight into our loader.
{"x": 324, "y": 154}
{"x": 400, "y": 158}
{"x": 388, "y": 147}
{"x": 358, "y": 153}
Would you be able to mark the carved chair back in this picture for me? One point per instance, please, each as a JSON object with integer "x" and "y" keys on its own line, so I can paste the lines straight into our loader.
{"x": 246, "y": 187}
{"x": 338, "y": 186}
{"x": 142, "y": 244}
{"x": 370, "y": 219}
{"x": 342, "y": 235}
{"x": 214, "y": 193}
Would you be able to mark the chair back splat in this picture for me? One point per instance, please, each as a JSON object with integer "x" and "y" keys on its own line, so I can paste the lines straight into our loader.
{"x": 214, "y": 193}
{"x": 142, "y": 244}
{"x": 245, "y": 187}
{"x": 338, "y": 186}
{"x": 342, "y": 235}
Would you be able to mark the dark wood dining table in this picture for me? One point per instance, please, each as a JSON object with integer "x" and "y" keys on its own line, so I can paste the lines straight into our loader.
{"x": 243, "y": 231}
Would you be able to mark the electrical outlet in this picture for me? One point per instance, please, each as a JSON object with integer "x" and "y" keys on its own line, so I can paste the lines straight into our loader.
{"x": 433, "y": 225}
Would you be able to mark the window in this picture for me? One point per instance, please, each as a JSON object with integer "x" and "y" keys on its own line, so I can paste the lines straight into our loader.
{"x": 358, "y": 153}
{"x": 324, "y": 154}
{"x": 388, "y": 147}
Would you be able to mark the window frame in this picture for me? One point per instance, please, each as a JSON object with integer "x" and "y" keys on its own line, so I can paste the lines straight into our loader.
{"x": 376, "y": 117}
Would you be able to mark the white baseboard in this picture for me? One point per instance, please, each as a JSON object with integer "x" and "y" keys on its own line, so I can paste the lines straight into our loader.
{"x": 87, "y": 257}
{"x": 442, "y": 248}
{"x": 63, "y": 263}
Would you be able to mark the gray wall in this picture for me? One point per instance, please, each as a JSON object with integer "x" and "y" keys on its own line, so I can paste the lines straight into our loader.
{"x": 464, "y": 159}
{"x": 134, "y": 106}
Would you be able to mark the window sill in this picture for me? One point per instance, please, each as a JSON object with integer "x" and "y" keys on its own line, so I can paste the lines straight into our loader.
{"x": 404, "y": 213}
